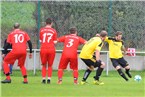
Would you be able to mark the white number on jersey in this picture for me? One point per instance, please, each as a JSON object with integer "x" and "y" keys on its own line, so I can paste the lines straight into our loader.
{"x": 19, "y": 38}
{"x": 70, "y": 43}
{"x": 47, "y": 36}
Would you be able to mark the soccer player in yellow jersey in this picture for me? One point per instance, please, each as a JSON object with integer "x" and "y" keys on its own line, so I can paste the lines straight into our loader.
{"x": 93, "y": 45}
{"x": 115, "y": 53}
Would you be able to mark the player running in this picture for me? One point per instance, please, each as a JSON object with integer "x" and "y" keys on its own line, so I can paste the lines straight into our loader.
{"x": 18, "y": 39}
{"x": 69, "y": 54}
{"x": 93, "y": 45}
{"x": 47, "y": 50}
{"x": 116, "y": 46}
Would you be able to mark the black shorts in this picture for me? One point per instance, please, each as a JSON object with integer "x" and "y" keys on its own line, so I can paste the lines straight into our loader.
{"x": 121, "y": 61}
{"x": 91, "y": 62}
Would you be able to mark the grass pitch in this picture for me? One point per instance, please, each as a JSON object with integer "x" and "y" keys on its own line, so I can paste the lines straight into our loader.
{"x": 114, "y": 86}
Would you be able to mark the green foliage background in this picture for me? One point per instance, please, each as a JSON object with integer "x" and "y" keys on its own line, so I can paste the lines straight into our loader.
{"x": 17, "y": 12}
{"x": 90, "y": 17}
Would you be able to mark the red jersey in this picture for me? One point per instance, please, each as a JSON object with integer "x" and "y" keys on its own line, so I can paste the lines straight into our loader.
{"x": 18, "y": 39}
{"x": 47, "y": 37}
{"x": 71, "y": 43}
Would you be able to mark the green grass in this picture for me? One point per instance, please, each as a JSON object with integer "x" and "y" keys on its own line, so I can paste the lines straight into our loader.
{"x": 114, "y": 86}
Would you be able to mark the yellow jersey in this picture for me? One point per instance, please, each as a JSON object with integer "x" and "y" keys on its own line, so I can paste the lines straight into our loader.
{"x": 90, "y": 47}
{"x": 114, "y": 48}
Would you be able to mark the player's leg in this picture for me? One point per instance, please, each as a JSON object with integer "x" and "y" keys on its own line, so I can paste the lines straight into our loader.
{"x": 50, "y": 60}
{"x": 59, "y": 74}
{"x": 24, "y": 74}
{"x": 75, "y": 76}
{"x": 101, "y": 66}
{"x": 74, "y": 67}
{"x": 90, "y": 64}
{"x": 127, "y": 70}
{"x": 21, "y": 63}
{"x": 86, "y": 74}
{"x": 43, "y": 73}
{"x": 62, "y": 65}
{"x": 6, "y": 72}
{"x": 9, "y": 59}
{"x": 49, "y": 74}
{"x": 118, "y": 68}
{"x": 125, "y": 65}
{"x": 43, "y": 57}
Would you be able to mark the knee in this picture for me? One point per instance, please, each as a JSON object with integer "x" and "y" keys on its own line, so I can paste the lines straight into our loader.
{"x": 127, "y": 67}
{"x": 91, "y": 68}
{"x": 117, "y": 67}
{"x": 49, "y": 66}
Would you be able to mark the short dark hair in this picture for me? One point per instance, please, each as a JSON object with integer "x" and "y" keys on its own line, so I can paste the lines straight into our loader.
{"x": 16, "y": 25}
{"x": 48, "y": 21}
{"x": 73, "y": 30}
{"x": 103, "y": 33}
{"x": 118, "y": 33}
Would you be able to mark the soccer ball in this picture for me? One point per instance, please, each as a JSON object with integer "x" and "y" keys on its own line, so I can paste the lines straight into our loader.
{"x": 137, "y": 78}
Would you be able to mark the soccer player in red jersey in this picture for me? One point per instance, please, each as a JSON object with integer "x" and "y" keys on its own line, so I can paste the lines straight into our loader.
{"x": 48, "y": 36}
{"x": 18, "y": 39}
{"x": 69, "y": 54}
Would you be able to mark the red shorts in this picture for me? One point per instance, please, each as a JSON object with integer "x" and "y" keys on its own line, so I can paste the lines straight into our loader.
{"x": 11, "y": 57}
{"x": 47, "y": 56}
{"x": 65, "y": 60}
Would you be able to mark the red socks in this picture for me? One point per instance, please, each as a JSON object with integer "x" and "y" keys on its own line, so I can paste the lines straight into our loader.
{"x": 24, "y": 73}
{"x": 6, "y": 70}
{"x": 60, "y": 74}
{"x": 43, "y": 71}
{"x": 75, "y": 74}
{"x": 49, "y": 71}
